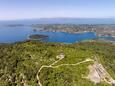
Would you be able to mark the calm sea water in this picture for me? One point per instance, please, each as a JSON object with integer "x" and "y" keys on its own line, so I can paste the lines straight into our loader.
{"x": 15, "y": 34}
{"x": 62, "y": 21}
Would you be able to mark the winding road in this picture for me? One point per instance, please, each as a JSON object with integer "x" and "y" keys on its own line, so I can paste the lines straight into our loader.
{"x": 52, "y": 66}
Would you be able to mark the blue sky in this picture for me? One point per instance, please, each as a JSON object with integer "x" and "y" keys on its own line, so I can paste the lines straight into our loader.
{"x": 29, "y": 9}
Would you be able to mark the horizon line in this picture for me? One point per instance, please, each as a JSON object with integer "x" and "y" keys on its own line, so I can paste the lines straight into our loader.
{"x": 59, "y": 18}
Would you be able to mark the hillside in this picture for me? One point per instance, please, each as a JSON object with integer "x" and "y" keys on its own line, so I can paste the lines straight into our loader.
{"x": 56, "y": 64}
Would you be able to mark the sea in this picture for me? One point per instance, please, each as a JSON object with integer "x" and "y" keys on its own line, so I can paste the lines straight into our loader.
{"x": 21, "y": 33}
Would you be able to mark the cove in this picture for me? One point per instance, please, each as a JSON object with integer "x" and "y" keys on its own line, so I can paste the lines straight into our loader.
{"x": 18, "y": 34}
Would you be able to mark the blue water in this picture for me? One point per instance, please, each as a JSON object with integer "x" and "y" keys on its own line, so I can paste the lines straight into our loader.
{"x": 15, "y": 34}
{"x": 62, "y": 21}
{"x": 67, "y": 37}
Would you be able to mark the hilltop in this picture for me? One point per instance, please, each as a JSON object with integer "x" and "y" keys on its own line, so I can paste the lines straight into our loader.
{"x": 57, "y": 64}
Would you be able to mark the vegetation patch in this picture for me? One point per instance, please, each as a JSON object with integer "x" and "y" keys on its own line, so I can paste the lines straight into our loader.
{"x": 20, "y": 63}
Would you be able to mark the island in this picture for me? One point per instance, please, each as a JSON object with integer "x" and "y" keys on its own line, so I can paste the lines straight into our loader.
{"x": 15, "y": 25}
{"x": 37, "y": 37}
{"x": 99, "y": 29}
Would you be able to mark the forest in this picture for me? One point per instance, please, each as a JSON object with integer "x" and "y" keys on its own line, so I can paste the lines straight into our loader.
{"x": 20, "y": 62}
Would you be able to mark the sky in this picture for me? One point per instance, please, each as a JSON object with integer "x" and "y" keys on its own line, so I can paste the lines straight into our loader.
{"x": 32, "y": 9}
